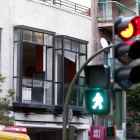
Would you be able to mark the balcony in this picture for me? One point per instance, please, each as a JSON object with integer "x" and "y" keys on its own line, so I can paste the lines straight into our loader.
{"x": 70, "y": 6}
{"x": 107, "y": 10}
{"x": 108, "y": 62}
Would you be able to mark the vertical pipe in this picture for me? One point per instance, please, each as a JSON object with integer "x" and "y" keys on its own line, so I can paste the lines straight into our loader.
{"x": 60, "y": 3}
{"x": 63, "y": 100}
{"x": 89, "y": 12}
{"x": 21, "y": 63}
{"x": 53, "y": 71}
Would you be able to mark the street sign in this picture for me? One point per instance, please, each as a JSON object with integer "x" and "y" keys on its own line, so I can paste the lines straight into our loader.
{"x": 70, "y": 115}
{"x": 98, "y": 133}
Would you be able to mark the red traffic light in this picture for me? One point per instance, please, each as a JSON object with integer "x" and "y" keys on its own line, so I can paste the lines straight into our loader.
{"x": 133, "y": 29}
{"x": 128, "y": 32}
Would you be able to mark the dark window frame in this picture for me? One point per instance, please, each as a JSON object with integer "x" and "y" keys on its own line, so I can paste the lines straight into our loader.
{"x": 0, "y": 47}
{"x": 63, "y": 37}
{"x": 21, "y": 41}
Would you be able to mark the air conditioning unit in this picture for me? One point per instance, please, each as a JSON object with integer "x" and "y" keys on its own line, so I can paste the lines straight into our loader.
{"x": 26, "y": 94}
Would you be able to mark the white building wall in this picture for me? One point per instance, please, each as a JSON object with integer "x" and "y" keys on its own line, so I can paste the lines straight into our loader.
{"x": 131, "y": 4}
{"x": 37, "y": 14}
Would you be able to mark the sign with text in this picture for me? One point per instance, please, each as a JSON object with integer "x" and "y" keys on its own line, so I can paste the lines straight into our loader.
{"x": 29, "y": 82}
{"x": 98, "y": 133}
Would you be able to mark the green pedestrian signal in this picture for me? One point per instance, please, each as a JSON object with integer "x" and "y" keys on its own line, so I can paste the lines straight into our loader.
{"x": 97, "y": 100}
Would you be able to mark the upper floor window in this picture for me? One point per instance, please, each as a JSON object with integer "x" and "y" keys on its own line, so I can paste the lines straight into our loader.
{"x": 33, "y": 65}
{"x": 35, "y": 61}
{"x": 70, "y": 54}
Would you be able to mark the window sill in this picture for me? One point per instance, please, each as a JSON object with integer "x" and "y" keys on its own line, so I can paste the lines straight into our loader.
{"x": 32, "y": 105}
{"x": 74, "y": 108}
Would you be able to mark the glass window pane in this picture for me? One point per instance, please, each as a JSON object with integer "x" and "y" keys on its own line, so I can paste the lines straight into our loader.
{"x": 47, "y": 99}
{"x": 75, "y": 46}
{"x": 69, "y": 66}
{"x": 81, "y": 100}
{"x": 58, "y": 94}
{"x": 48, "y": 39}
{"x": 67, "y": 44}
{"x": 26, "y": 90}
{"x": 82, "y": 60}
{"x": 70, "y": 55}
{"x": 82, "y": 48}
{"x": 31, "y": 56}
{"x": 17, "y": 59}
{"x": 38, "y": 37}
{"x": 58, "y": 66}
{"x": 17, "y": 35}
{"x": 58, "y": 43}
{"x": 66, "y": 87}
{"x": 75, "y": 96}
{"x": 16, "y": 87}
{"x": 27, "y": 35}
{"x": 34, "y": 61}
{"x": 81, "y": 81}
{"x": 49, "y": 63}
{"x": 37, "y": 91}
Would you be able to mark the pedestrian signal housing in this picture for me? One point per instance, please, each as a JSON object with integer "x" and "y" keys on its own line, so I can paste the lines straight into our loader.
{"x": 97, "y": 94}
{"x": 97, "y": 76}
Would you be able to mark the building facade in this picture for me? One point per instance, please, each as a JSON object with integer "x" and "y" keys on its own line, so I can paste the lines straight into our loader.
{"x": 43, "y": 44}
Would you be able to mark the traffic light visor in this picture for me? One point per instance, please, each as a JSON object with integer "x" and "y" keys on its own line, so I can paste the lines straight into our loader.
{"x": 136, "y": 21}
{"x": 128, "y": 27}
{"x": 128, "y": 32}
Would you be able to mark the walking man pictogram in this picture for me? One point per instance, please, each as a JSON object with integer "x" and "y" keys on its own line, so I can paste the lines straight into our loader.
{"x": 98, "y": 100}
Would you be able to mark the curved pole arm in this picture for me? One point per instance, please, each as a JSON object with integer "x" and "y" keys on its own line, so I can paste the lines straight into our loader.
{"x": 71, "y": 88}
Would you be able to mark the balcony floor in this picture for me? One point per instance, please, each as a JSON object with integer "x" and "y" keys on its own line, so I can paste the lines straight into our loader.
{"x": 107, "y": 25}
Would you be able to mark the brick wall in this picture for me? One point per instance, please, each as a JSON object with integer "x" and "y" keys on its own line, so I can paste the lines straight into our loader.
{"x": 97, "y": 34}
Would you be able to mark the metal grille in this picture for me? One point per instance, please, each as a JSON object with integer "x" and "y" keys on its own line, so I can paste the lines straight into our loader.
{"x": 70, "y": 6}
{"x": 44, "y": 134}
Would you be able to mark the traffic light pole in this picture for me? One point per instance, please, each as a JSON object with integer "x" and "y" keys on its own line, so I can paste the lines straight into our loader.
{"x": 120, "y": 114}
{"x": 64, "y": 134}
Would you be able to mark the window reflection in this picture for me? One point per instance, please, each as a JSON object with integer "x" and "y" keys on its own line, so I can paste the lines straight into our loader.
{"x": 27, "y": 35}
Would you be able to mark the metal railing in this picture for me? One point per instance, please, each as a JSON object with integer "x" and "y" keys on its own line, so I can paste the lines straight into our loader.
{"x": 108, "y": 62}
{"x": 107, "y": 10}
{"x": 70, "y": 6}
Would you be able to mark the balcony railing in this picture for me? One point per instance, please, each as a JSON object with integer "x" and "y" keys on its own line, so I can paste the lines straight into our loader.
{"x": 108, "y": 62}
{"x": 107, "y": 10}
{"x": 70, "y": 6}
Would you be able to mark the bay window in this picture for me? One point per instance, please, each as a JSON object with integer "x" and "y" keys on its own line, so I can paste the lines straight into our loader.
{"x": 33, "y": 66}
{"x": 70, "y": 54}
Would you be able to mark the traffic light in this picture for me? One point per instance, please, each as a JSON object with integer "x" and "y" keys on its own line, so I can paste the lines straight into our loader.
{"x": 72, "y": 133}
{"x": 126, "y": 49}
{"x": 97, "y": 94}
